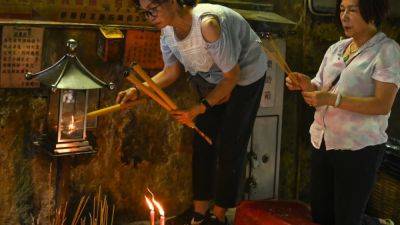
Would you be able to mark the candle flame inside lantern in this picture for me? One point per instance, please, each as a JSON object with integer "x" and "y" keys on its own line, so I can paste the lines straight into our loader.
{"x": 71, "y": 126}
{"x": 149, "y": 203}
{"x": 159, "y": 207}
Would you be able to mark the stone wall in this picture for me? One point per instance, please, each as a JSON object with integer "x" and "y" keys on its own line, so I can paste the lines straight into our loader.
{"x": 141, "y": 148}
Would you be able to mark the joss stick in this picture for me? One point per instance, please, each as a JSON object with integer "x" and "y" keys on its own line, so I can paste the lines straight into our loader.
{"x": 274, "y": 57}
{"x": 131, "y": 78}
{"x": 274, "y": 46}
{"x": 278, "y": 58}
{"x": 112, "y": 215}
{"x": 79, "y": 210}
{"x": 162, "y": 98}
{"x": 138, "y": 69}
{"x": 113, "y": 108}
{"x": 281, "y": 62}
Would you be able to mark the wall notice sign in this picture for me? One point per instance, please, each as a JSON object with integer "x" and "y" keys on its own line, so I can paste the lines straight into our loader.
{"x": 21, "y": 52}
{"x": 268, "y": 95}
{"x": 143, "y": 47}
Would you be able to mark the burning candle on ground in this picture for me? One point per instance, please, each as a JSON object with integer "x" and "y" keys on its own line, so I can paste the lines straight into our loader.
{"x": 160, "y": 211}
{"x": 151, "y": 207}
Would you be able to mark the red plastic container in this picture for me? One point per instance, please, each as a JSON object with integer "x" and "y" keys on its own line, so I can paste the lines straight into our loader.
{"x": 273, "y": 212}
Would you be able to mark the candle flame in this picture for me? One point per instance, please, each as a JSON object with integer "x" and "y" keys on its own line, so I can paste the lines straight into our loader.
{"x": 149, "y": 203}
{"x": 159, "y": 207}
{"x": 71, "y": 126}
{"x": 155, "y": 203}
{"x": 152, "y": 195}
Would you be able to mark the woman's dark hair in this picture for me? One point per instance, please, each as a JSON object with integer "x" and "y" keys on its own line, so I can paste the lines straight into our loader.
{"x": 190, "y": 3}
{"x": 371, "y": 10}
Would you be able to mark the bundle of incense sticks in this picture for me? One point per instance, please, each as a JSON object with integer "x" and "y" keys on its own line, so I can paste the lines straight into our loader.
{"x": 157, "y": 94}
{"x": 277, "y": 57}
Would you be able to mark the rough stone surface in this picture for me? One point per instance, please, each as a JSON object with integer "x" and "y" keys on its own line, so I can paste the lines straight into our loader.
{"x": 141, "y": 148}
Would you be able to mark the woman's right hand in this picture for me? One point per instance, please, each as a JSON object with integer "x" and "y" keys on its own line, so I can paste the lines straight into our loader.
{"x": 298, "y": 82}
{"x": 128, "y": 96}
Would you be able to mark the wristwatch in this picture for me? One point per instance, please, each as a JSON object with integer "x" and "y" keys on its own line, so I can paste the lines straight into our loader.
{"x": 205, "y": 103}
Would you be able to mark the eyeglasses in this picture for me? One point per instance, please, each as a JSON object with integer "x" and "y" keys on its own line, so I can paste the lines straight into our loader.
{"x": 151, "y": 12}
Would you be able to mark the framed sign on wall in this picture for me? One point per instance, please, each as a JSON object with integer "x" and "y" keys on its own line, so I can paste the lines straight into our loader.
{"x": 143, "y": 47}
{"x": 21, "y": 52}
{"x": 103, "y": 12}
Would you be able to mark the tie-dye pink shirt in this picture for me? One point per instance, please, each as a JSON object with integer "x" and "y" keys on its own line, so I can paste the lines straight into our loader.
{"x": 378, "y": 59}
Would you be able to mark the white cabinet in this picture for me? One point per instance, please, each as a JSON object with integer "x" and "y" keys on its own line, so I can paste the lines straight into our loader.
{"x": 262, "y": 171}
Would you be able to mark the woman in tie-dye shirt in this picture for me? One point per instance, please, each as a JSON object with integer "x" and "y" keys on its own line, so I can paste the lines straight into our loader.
{"x": 353, "y": 93}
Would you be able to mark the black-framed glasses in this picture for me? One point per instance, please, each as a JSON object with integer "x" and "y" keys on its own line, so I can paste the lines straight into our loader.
{"x": 151, "y": 12}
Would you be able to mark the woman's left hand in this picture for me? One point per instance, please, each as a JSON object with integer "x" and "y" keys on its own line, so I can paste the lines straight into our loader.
{"x": 318, "y": 98}
{"x": 187, "y": 117}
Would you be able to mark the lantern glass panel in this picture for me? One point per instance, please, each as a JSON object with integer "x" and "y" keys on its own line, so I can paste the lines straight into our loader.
{"x": 54, "y": 106}
{"x": 72, "y": 115}
{"x": 93, "y": 102}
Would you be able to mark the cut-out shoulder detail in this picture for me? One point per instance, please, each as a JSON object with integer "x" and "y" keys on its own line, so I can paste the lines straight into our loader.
{"x": 220, "y": 38}
{"x": 210, "y": 28}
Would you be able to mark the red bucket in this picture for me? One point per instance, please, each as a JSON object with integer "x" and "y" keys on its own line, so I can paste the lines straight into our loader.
{"x": 273, "y": 212}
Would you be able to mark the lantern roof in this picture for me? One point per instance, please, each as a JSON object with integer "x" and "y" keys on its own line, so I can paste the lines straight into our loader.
{"x": 69, "y": 73}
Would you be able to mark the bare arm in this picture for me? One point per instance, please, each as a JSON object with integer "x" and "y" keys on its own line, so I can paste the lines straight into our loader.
{"x": 224, "y": 87}
{"x": 211, "y": 31}
{"x": 379, "y": 104}
{"x": 167, "y": 76}
{"x": 164, "y": 78}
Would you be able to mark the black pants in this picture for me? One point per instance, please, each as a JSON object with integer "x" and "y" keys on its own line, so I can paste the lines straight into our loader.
{"x": 341, "y": 182}
{"x": 217, "y": 169}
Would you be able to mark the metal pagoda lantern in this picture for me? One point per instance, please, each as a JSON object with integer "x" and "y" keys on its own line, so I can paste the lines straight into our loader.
{"x": 64, "y": 132}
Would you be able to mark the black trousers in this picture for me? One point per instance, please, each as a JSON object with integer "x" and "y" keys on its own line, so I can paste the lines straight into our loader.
{"x": 341, "y": 183}
{"x": 217, "y": 169}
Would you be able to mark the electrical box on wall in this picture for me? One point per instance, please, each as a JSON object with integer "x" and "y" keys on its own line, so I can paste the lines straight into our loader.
{"x": 110, "y": 44}
{"x": 262, "y": 177}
